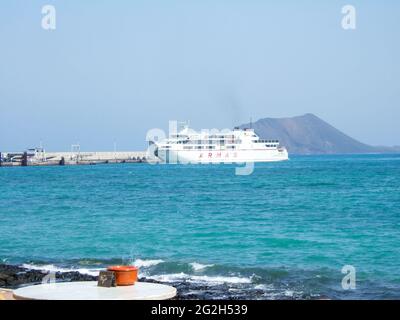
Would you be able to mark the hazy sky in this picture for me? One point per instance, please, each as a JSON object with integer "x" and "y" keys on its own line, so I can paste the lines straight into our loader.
{"x": 114, "y": 69}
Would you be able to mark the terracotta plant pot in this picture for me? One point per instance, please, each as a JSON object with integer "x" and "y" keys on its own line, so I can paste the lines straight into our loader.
{"x": 124, "y": 275}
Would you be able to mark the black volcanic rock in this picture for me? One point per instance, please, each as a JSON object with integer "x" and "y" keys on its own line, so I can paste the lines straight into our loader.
{"x": 14, "y": 276}
{"x": 309, "y": 134}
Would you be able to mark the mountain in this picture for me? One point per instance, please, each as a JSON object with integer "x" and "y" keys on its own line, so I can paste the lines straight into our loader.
{"x": 308, "y": 134}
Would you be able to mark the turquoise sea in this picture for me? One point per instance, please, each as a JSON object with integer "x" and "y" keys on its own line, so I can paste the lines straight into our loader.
{"x": 286, "y": 230}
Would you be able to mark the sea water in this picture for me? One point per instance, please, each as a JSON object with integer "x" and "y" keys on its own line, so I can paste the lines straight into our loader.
{"x": 286, "y": 230}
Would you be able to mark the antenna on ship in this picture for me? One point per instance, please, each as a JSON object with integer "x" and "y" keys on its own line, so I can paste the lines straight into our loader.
{"x": 251, "y": 123}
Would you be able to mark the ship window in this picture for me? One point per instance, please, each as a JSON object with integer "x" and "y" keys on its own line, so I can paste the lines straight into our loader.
{"x": 230, "y": 147}
{"x": 187, "y": 147}
{"x": 199, "y": 147}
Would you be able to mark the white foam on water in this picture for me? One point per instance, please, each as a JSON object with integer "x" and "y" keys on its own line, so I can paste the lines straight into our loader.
{"x": 53, "y": 268}
{"x": 289, "y": 293}
{"x": 169, "y": 277}
{"x": 88, "y": 271}
{"x": 202, "y": 279}
{"x": 146, "y": 263}
{"x": 264, "y": 287}
{"x": 221, "y": 279}
{"x": 198, "y": 266}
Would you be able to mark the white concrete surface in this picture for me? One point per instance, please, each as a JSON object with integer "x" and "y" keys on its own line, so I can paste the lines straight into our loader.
{"x": 95, "y": 156}
{"x": 88, "y": 290}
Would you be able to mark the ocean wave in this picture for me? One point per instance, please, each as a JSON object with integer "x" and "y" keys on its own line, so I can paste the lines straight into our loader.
{"x": 198, "y": 266}
{"x": 141, "y": 264}
{"x": 146, "y": 263}
{"x": 170, "y": 277}
{"x": 200, "y": 279}
{"x": 264, "y": 287}
{"x": 53, "y": 268}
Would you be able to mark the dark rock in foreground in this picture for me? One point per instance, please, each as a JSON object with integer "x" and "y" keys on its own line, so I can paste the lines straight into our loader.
{"x": 13, "y": 277}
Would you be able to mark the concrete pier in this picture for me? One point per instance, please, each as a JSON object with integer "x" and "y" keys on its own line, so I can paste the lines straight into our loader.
{"x": 74, "y": 158}
{"x": 117, "y": 156}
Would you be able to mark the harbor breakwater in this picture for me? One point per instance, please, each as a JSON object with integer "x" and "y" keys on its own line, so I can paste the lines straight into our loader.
{"x": 10, "y": 159}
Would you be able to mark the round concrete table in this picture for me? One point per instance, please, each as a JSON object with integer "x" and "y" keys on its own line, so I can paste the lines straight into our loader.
{"x": 88, "y": 290}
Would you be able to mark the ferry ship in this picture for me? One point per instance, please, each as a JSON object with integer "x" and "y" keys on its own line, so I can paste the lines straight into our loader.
{"x": 235, "y": 146}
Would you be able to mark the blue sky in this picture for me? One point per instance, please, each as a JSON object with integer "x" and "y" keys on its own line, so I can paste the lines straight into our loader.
{"x": 114, "y": 69}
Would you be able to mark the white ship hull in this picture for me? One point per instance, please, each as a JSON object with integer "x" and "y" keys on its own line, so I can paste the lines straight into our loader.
{"x": 237, "y": 146}
{"x": 222, "y": 156}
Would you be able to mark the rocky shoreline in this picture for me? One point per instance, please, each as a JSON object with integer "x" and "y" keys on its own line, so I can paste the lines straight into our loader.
{"x": 12, "y": 277}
